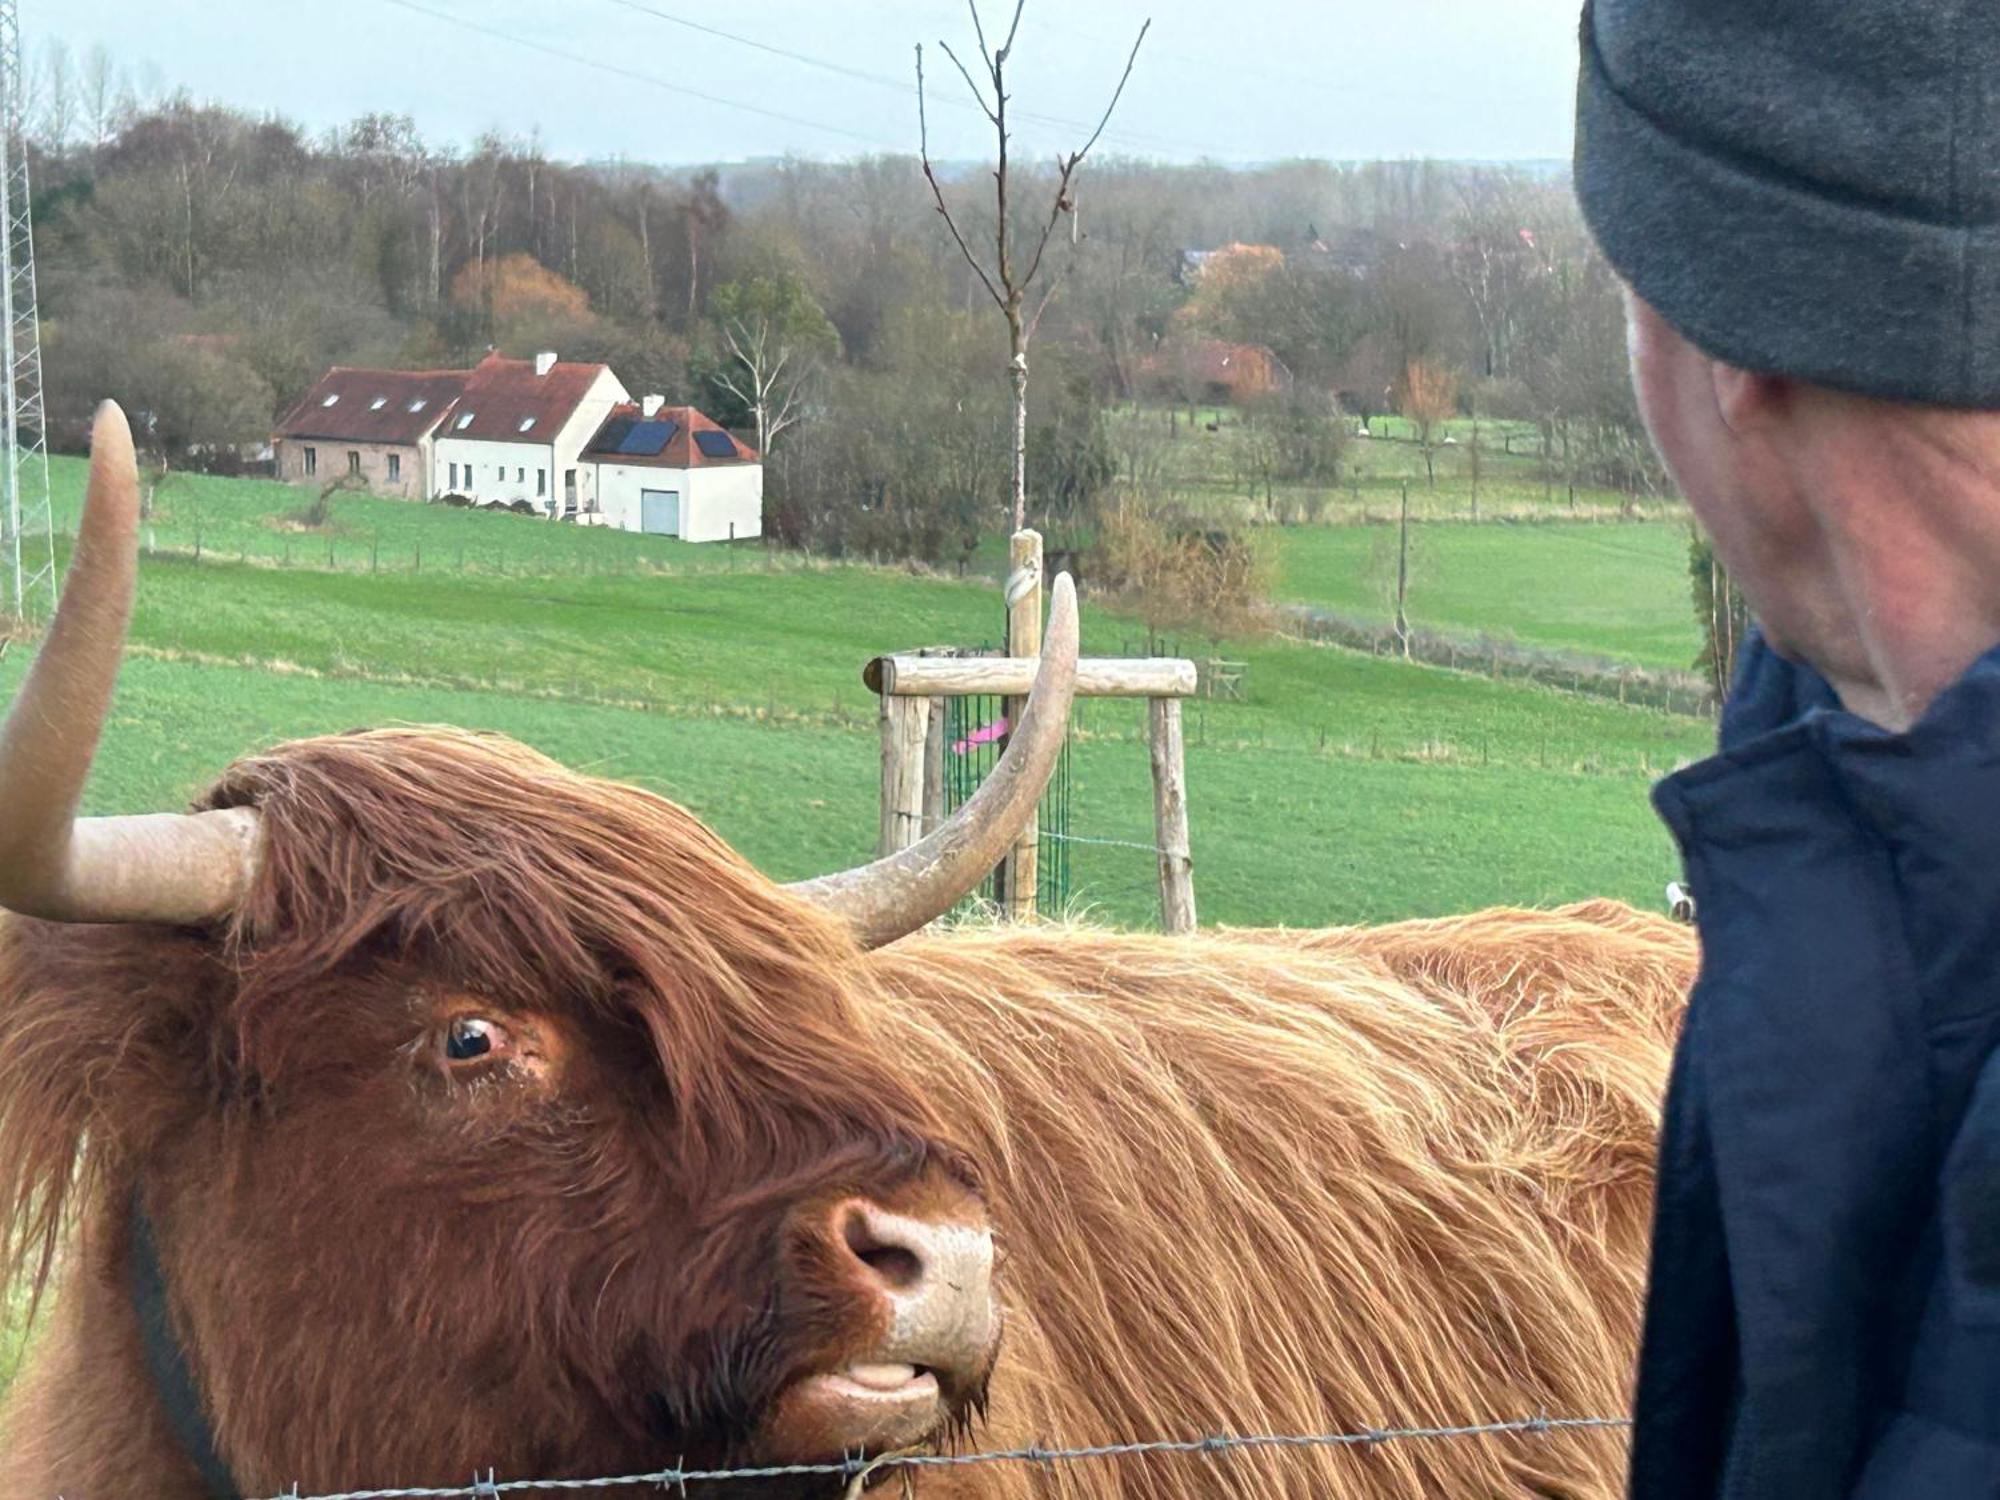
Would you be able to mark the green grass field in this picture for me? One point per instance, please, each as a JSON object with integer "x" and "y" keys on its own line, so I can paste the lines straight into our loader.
{"x": 1617, "y": 591}
{"x": 1345, "y": 788}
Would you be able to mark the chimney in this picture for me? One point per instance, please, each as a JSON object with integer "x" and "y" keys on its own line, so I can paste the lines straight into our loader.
{"x": 544, "y": 362}
{"x": 649, "y": 406}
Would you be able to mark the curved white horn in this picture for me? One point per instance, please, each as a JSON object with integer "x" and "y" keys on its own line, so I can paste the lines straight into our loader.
{"x": 900, "y": 892}
{"x": 158, "y": 867}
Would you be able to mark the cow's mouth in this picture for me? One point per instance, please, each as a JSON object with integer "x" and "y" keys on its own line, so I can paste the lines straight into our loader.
{"x": 870, "y": 1406}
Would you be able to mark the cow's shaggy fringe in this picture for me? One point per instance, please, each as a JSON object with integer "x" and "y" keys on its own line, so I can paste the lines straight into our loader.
{"x": 1262, "y": 1181}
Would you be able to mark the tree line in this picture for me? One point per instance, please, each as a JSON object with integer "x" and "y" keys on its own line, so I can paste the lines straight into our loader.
{"x": 206, "y": 265}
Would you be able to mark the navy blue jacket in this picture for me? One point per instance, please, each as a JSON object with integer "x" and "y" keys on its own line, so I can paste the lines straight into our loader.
{"x": 1824, "y": 1316}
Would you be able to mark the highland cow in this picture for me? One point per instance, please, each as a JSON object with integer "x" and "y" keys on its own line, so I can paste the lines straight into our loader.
{"x": 417, "y": 1106}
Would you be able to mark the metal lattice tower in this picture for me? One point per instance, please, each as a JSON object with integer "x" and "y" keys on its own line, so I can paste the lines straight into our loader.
{"x": 27, "y": 532}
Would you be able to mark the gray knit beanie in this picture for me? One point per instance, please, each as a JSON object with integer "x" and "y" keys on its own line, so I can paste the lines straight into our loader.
{"x": 1805, "y": 187}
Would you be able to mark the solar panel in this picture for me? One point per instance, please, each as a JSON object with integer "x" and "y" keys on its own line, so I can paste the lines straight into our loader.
{"x": 615, "y": 432}
{"x": 715, "y": 444}
{"x": 647, "y": 439}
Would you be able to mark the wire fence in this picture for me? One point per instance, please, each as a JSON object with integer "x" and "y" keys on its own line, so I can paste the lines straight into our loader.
{"x": 860, "y": 1468}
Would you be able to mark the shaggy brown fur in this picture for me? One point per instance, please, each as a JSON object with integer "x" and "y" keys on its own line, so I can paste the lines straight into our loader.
{"x": 1256, "y": 1181}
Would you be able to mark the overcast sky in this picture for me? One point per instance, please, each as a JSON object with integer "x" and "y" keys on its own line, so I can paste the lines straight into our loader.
{"x": 1232, "y": 80}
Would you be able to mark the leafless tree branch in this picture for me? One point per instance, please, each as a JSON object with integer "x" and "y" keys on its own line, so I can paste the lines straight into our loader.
{"x": 1105, "y": 119}
{"x": 979, "y": 31}
{"x": 967, "y": 76}
{"x": 1007, "y": 46}
{"x": 1066, "y": 167}
{"x": 937, "y": 189}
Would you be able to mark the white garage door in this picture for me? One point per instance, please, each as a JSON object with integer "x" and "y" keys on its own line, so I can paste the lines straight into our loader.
{"x": 660, "y": 512}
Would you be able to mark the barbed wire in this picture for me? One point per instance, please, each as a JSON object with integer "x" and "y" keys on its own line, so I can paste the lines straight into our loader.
{"x": 1218, "y": 1444}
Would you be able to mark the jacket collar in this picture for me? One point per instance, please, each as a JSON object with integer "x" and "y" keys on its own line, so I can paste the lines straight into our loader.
{"x": 1794, "y": 766}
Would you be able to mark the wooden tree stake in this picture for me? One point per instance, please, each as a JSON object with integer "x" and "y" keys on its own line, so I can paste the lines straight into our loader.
{"x": 1024, "y": 638}
{"x": 905, "y": 724}
{"x": 1170, "y": 815}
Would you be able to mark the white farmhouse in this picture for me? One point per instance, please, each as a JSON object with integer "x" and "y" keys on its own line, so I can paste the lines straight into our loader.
{"x": 518, "y": 432}
{"x": 672, "y": 471}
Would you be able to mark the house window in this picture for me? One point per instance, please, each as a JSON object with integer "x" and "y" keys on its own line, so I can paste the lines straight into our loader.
{"x": 454, "y": 476}
{"x": 541, "y": 481}
{"x": 500, "y": 473}
{"x": 395, "y": 468}
{"x": 353, "y": 462}
{"x": 520, "y": 474}
{"x": 569, "y": 488}
{"x": 312, "y": 462}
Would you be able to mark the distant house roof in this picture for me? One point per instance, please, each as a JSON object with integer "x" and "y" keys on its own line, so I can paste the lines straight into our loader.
{"x": 373, "y": 406}
{"x": 674, "y": 437}
{"x": 505, "y": 401}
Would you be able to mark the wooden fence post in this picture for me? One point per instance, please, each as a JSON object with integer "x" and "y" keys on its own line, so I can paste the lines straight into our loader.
{"x": 904, "y": 725}
{"x": 934, "y": 766}
{"x": 1170, "y": 818}
{"x": 1024, "y": 638}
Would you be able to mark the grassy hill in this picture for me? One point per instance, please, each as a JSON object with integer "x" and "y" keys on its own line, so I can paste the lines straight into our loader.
{"x": 1616, "y": 591}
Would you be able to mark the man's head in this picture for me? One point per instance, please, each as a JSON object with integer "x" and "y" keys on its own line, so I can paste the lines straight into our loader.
{"x": 1798, "y": 196}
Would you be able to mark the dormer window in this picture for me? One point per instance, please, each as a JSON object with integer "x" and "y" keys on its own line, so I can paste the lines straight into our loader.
{"x": 331, "y": 399}
{"x": 464, "y": 421}
{"x": 378, "y": 403}
{"x": 526, "y": 423}
{"x": 419, "y": 404}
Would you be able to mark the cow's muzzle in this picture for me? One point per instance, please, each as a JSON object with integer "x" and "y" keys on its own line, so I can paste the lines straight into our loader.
{"x": 925, "y": 1285}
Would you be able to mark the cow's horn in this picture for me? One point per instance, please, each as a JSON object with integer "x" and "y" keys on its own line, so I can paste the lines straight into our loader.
{"x": 163, "y": 867}
{"x": 901, "y": 892}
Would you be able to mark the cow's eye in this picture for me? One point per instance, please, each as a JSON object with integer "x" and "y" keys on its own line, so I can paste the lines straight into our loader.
{"x": 471, "y": 1038}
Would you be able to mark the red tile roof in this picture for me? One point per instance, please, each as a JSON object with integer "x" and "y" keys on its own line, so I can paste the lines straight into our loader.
{"x": 500, "y": 394}
{"x": 681, "y": 451}
{"x": 373, "y": 406}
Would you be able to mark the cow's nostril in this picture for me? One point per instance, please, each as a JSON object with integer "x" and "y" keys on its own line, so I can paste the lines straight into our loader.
{"x": 897, "y": 1267}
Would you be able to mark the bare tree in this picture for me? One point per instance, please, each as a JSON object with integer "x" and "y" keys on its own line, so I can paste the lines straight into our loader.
{"x": 59, "y": 97}
{"x": 1006, "y": 282}
{"x": 101, "y": 101}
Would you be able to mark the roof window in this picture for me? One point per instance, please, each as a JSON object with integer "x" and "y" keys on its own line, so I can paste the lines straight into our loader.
{"x": 464, "y": 421}
{"x": 419, "y": 404}
{"x": 331, "y": 399}
{"x": 526, "y": 423}
{"x": 378, "y": 403}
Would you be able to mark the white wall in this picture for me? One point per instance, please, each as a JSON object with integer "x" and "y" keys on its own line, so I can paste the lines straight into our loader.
{"x": 618, "y": 487}
{"x": 725, "y": 495}
{"x": 496, "y": 465}
{"x": 605, "y": 392}
{"x": 499, "y": 471}
{"x": 711, "y": 498}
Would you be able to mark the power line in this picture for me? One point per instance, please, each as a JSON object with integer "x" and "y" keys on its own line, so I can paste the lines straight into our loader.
{"x": 881, "y": 80}
{"x": 584, "y": 61}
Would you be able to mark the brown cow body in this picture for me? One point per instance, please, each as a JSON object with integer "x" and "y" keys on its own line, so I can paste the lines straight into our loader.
{"x": 1270, "y": 1181}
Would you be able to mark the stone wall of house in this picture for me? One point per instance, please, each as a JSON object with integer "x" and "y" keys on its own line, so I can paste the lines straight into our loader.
{"x": 319, "y": 461}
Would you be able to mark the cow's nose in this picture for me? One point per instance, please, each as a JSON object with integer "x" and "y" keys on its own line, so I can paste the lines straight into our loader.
{"x": 936, "y": 1277}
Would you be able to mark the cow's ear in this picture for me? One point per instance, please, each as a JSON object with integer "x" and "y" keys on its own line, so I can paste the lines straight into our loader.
{"x": 107, "y": 1042}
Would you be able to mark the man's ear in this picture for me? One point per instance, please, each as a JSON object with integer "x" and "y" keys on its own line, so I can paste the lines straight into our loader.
{"x": 1746, "y": 399}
